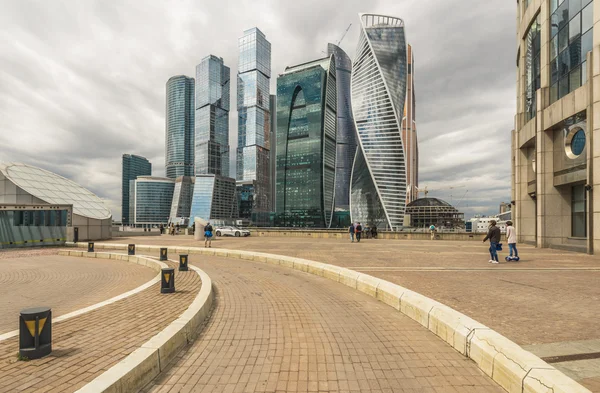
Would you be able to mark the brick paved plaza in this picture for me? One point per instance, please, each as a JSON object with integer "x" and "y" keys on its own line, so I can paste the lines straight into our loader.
{"x": 273, "y": 329}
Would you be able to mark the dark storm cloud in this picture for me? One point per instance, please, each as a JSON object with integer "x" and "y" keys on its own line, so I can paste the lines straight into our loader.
{"x": 82, "y": 82}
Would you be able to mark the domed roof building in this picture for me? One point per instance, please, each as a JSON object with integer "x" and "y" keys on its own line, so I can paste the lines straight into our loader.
{"x": 424, "y": 212}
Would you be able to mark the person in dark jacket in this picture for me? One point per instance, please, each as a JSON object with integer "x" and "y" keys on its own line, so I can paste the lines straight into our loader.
{"x": 494, "y": 236}
{"x": 208, "y": 234}
{"x": 351, "y": 231}
{"x": 358, "y": 232}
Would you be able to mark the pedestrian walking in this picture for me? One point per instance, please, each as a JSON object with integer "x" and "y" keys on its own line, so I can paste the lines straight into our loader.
{"x": 161, "y": 228}
{"x": 432, "y": 230}
{"x": 511, "y": 239}
{"x": 351, "y": 231}
{"x": 208, "y": 234}
{"x": 172, "y": 229}
{"x": 494, "y": 236}
{"x": 358, "y": 232}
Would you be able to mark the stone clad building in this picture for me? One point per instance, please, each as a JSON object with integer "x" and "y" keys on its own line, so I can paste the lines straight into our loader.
{"x": 556, "y": 143}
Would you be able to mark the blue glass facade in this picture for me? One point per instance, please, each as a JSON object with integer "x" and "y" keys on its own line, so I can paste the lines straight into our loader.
{"x": 132, "y": 167}
{"x": 214, "y": 198}
{"x": 306, "y": 145}
{"x": 254, "y": 129}
{"x": 212, "y": 117}
{"x": 151, "y": 200}
{"x": 346, "y": 131}
{"x": 182, "y": 200}
{"x": 179, "y": 134}
{"x": 379, "y": 78}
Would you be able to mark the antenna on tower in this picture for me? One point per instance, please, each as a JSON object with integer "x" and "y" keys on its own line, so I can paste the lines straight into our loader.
{"x": 344, "y": 36}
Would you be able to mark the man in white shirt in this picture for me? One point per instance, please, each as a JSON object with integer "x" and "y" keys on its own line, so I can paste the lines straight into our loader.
{"x": 511, "y": 239}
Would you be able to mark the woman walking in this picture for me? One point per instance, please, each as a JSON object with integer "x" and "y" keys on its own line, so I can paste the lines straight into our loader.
{"x": 511, "y": 239}
{"x": 494, "y": 236}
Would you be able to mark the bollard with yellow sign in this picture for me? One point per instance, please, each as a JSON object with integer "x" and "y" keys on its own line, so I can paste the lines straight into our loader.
{"x": 35, "y": 332}
{"x": 183, "y": 263}
{"x": 131, "y": 249}
{"x": 90, "y": 246}
{"x": 163, "y": 254}
{"x": 167, "y": 281}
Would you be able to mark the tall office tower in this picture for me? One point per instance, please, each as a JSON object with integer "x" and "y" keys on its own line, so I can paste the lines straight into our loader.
{"x": 306, "y": 139}
{"x": 179, "y": 130}
{"x": 273, "y": 139}
{"x": 254, "y": 129}
{"x": 212, "y": 117}
{"x": 132, "y": 167}
{"x": 150, "y": 200}
{"x": 409, "y": 132}
{"x": 214, "y": 199}
{"x": 378, "y": 189}
{"x": 182, "y": 200}
{"x": 346, "y": 136}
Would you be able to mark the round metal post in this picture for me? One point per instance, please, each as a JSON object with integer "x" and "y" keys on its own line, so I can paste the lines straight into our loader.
{"x": 35, "y": 332}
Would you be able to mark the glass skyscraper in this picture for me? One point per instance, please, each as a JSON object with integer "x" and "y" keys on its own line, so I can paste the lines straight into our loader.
{"x": 151, "y": 199}
{"x": 346, "y": 132}
{"x": 212, "y": 117}
{"x": 306, "y": 144}
{"x": 132, "y": 167}
{"x": 254, "y": 129}
{"x": 214, "y": 198}
{"x": 379, "y": 78}
{"x": 179, "y": 130}
{"x": 182, "y": 200}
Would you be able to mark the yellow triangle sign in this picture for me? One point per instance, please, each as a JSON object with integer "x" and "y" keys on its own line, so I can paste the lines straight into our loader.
{"x": 167, "y": 277}
{"x": 183, "y": 260}
{"x": 131, "y": 247}
{"x": 164, "y": 252}
{"x": 31, "y": 326}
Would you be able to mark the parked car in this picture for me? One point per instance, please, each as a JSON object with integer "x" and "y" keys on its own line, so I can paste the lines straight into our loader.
{"x": 231, "y": 231}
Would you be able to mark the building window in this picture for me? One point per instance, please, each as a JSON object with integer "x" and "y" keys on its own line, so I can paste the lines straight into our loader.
{"x": 571, "y": 35}
{"x": 532, "y": 67}
{"x": 578, "y": 211}
{"x": 574, "y": 142}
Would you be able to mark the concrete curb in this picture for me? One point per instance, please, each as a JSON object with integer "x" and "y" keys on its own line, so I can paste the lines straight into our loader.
{"x": 513, "y": 368}
{"x": 145, "y": 363}
{"x": 154, "y": 265}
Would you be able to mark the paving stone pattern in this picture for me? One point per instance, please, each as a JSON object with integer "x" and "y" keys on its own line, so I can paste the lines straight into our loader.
{"x": 87, "y": 345}
{"x": 278, "y": 330}
{"x": 64, "y": 284}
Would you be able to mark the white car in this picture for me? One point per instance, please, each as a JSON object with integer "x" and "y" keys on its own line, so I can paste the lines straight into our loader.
{"x": 231, "y": 231}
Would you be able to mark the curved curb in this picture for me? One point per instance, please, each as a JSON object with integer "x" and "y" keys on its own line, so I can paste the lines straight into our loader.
{"x": 513, "y": 368}
{"x": 145, "y": 363}
{"x": 154, "y": 265}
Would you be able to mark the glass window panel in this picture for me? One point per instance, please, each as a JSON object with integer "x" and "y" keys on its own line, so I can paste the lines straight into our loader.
{"x": 554, "y": 48}
{"x": 587, "y": 18}
{"x": 575, "y": 53}
{"x": 563, "y": 86}
{"x": 575, "y": 79}
{"x": 553, "y": 5}
{"x": 574, "y": 7}
{"x": 587, "y": 42}
{"x": 553, "y": 92}
{"x": 562, "y": 15}
{"x": 563, "y": 39}
{"x": 563, "y": 63}
{"x": 583, "y": 72}
{"x": 574, "y": 29}
{"x": 554, "y": 71}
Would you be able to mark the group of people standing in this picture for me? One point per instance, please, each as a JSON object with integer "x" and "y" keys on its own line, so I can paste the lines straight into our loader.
{"x": 495, "y": 236}
{"x": 357, "y": 231}
{"x": 171, "y": 229}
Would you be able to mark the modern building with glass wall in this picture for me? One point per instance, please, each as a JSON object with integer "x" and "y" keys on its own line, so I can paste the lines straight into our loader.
{"x": 253, "y": 172}
{"x": 132, "y": 167}
{"x": 346, "y": 136}
{"x": 273, "y": 158}
{"x": 306, "y": 144}
{"x": 179, "y": 128}
{"x": 25, "y": 225}
{"x": 22, "y": 184}
{"x": 555, "y": 202}
{"x": 182, "y": 200}
{"x": 212, "y": 117}
{"x": 214, "y": 199}
{"x": 409, "y": 131}
{"x": 150, "y": 200}
{"x": 379, "y": 78}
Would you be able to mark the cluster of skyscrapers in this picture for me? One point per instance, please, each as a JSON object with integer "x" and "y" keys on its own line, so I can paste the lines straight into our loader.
{"x": 336, "y": 143}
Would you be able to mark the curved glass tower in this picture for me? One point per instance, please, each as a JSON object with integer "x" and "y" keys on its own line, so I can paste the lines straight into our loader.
{"x": 179, "y": 135}
{"x": 346, "y": 132}
{"x": 378, "y": 186}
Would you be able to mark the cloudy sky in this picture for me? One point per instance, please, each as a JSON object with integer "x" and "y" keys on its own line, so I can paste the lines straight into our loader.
{"x": 83, "y": 81}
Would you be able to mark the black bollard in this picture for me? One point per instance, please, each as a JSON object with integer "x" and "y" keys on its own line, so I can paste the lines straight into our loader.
{"x": 131, "y": 249}
{"x": 183, "y": 263}
{"x": 163, "y": 254}
{"x": 90, "y": 246}
{"x": 167, "y": 282}
{"x": 35, "y": 332}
